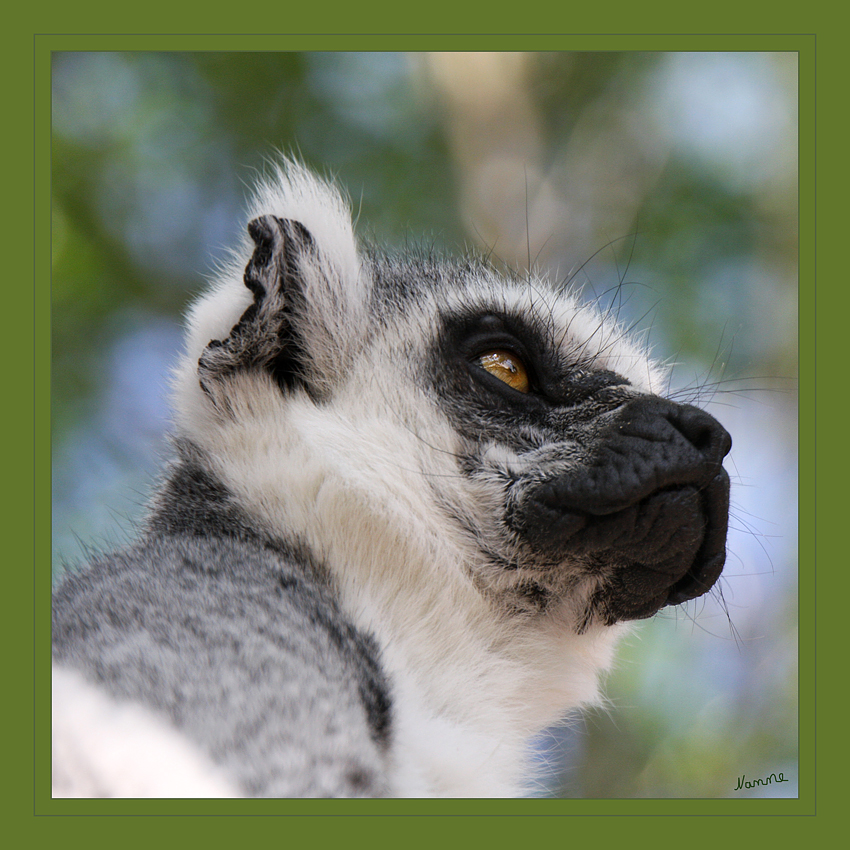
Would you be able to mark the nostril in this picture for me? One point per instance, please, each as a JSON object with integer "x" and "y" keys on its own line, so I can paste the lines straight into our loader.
{"x": 703, "y": 431}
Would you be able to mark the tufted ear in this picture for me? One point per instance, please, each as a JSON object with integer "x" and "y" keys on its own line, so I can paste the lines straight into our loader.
{"x": 291, "y": 329}
{"x": 267, "y": 337}
{"x": 291, "y": 306}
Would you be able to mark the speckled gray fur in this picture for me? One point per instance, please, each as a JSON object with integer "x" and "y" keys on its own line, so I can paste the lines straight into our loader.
{"x": 200, "y": 622}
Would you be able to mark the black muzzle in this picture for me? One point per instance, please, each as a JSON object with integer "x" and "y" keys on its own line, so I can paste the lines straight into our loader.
{"x": 651, "y": 504}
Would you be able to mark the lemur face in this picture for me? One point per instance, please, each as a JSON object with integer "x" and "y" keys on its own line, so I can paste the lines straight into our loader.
{"x": 521, "y": 429}
{"x": 588, "y": 484}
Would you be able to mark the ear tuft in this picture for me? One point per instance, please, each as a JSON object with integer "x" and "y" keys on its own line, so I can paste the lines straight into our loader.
{"x": 266, "y": 337}
{"x": 292, "y": 303}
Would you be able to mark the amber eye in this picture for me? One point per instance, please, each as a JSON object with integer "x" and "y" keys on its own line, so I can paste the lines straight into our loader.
{"x": 507, "y": 367}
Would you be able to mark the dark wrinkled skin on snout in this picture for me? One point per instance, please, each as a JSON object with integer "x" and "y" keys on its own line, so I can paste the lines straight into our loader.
{"x": 648, "y": 510}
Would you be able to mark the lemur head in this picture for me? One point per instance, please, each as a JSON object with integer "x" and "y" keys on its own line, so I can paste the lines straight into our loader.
{"x": 408, "y": 414}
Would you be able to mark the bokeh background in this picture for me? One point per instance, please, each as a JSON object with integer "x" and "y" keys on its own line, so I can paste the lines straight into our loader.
{"x": 674, "y": 174}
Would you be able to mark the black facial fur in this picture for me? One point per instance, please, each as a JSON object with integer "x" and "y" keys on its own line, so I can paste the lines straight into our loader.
{"x": 625, "y": 487}
{"x": 652, "y": 499}
{"x": 484, "y": 407}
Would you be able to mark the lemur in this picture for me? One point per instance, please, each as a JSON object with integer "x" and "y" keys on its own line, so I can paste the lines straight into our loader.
{"x": 413, "y": 505}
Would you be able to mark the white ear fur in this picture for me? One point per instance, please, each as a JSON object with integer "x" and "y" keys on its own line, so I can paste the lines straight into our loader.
{"x": 334, "y": 285}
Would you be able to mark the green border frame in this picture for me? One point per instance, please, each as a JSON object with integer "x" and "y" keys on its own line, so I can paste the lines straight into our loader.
{"x": 31, "y": 798}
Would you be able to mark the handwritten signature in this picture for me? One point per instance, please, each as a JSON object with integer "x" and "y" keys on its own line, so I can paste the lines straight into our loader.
{"x": 768, "y": 780}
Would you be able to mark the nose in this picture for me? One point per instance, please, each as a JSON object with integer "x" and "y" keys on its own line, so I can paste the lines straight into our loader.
{"x": 652, "y": 444}
{"x": 682, "y": 425}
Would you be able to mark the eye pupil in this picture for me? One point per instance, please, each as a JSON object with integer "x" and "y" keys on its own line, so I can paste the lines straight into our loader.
{"x": 507, "y": 367}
